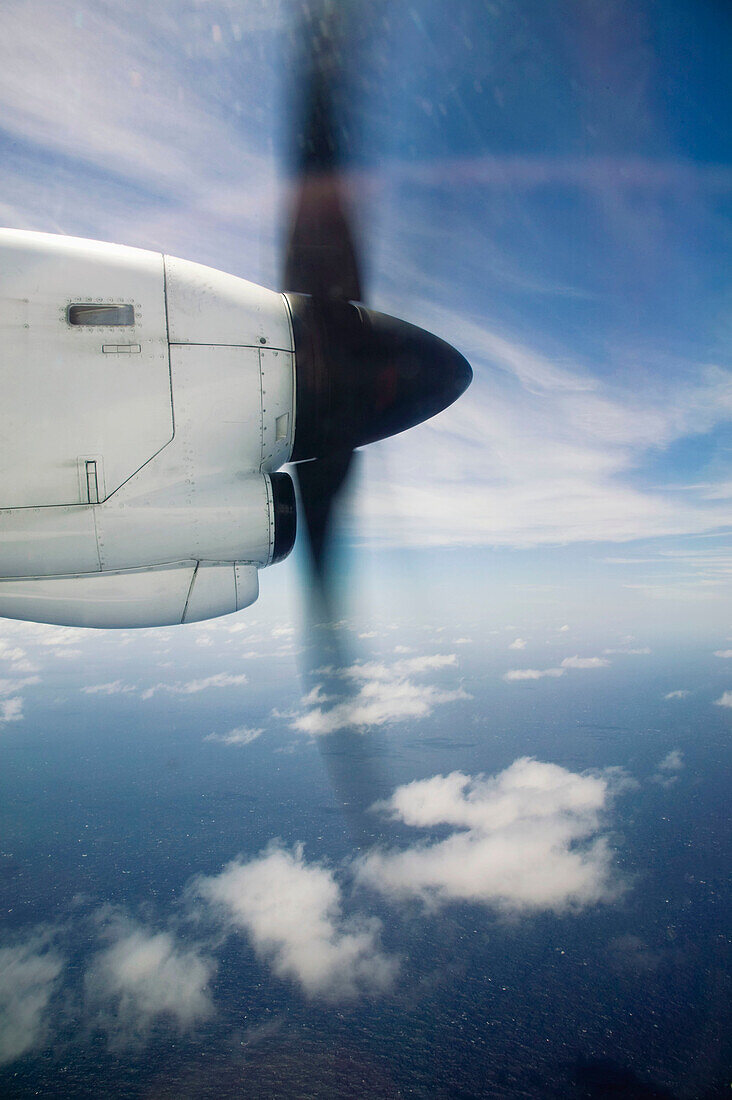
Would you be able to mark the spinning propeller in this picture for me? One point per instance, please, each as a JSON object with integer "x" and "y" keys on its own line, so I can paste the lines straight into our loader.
{"x": 361, "y": 376}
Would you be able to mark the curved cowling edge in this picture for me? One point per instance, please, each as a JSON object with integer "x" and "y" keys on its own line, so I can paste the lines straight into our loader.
{"x": 363, "y": 376}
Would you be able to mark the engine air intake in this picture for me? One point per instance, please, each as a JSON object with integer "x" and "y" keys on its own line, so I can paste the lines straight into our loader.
{"x": 285, "y": 516}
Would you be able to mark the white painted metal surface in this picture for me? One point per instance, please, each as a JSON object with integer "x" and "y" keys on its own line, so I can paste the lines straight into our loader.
{"x": 36, "y": 542}
{"x": 206, "y": 306}
{"x": 108, "y": 523}
{"x": 278, "y": 407}
{"x": 157, "y": 596}
{"x": 219, "y": 589}
{"x": 64, "y": 399}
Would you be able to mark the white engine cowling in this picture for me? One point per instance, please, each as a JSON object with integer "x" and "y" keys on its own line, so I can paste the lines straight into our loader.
{"x": 147, "y": 401}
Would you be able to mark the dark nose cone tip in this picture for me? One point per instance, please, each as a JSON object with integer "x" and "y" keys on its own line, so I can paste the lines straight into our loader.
{"x": 462, "y": 374}
{"x": 363, "y": 376}
{"x": 451, "y": 373}
{"x": 414, "y": 376}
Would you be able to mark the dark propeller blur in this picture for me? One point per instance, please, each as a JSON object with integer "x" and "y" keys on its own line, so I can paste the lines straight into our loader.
{"x": 360, "y": 375}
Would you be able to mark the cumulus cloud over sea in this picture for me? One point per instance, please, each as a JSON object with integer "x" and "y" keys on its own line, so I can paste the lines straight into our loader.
{"x": 142, "y": 975}
{"x": 530, "y": 838}
{"x": 30, "y": 975}
{"x": 515, "y": 675}
{"x": 375, "y": 693}
{"x": 291, "y": 910}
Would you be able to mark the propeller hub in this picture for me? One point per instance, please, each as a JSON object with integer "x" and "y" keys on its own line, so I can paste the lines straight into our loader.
{"x": 363, "y": 375}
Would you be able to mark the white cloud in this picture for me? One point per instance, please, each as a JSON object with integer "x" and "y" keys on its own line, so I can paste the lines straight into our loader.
{"x": 60, "y": 636}
{"x": 680, "y": 693}
{"x": 191, "y": 687}
{"x": 385, "y": 694}
{"x": 515, "y": 674}
{"x": 115, "y": 687}
{"x": 9, "y": 687}
{"x": 377, "y": 703}
{"x": 292, "y": 913}
{"x": 585, "y": 662}
{"x": 154, "y": 110}
{"x": 16, "y": 657}
{"x": 526, "y": 839}
{"x": 639, "y": 651}
{"x": 627, "y": 561}
{"x": 672, "y": 762}
{"x": 368, "y": 670}
{"x": 552, "y": 452}
{"x": 725, "y": 699}
{"x": 143, "y": 975}
{"x": 517, "y": 643}
{"x": 40, "y": 640}
{"x": 11, "y": 705}
{"x": 283, "y": 631}
{"x": 723, "y": 653}
{"x": 29, "y": 976}
{"x": 242, "y": 735}
{"x": 694, "y": 588}
{"x": 11, "y": 710}
{"x": 316, "y": 696}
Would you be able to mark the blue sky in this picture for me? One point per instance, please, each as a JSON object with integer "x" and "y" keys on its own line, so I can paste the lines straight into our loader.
{"x": 545, "y": 186}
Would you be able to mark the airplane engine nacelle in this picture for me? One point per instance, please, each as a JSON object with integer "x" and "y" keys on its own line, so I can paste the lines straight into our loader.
{"x": 146, "y": 403}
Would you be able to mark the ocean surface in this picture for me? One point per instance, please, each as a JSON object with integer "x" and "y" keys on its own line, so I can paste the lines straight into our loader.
{"x": 115, "y": 808}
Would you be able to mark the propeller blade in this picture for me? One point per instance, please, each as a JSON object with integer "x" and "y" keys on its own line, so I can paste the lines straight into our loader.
{"x": 320, "y": 261}
{"x": 353, "y": 757}
{"x": 321, "y": 257}
{"x": 360, "y": 376}
{"x": 320, "y": 483}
